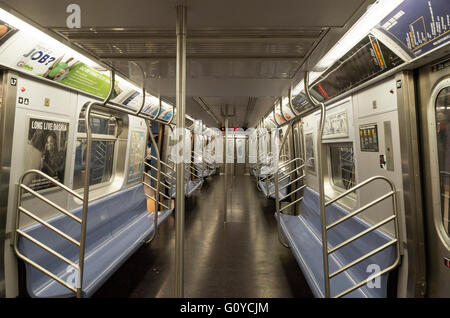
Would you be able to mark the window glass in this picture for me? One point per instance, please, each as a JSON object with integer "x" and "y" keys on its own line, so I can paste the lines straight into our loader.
{"x": 102, "y": 152}
{"x": 102, "y": 158}
{"x": 443, "y": 145}
{"x": 342, "y": 165}
{"x": 309, "y": 152}
{"x": 99, "y": 125}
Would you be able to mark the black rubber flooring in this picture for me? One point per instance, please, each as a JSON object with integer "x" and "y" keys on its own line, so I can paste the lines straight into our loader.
{"x": 241, "y": 258}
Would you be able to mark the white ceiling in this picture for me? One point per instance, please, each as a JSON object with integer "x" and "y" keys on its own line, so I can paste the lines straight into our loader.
{"x": 236, "y": 49}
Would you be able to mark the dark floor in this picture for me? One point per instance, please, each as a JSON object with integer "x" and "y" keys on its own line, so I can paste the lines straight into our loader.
{"x": 241, "y": 258}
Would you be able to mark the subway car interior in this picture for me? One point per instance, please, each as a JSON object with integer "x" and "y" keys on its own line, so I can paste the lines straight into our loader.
{"x": 225, "y": 149}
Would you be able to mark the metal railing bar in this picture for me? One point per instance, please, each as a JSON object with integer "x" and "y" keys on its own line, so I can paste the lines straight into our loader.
{"x": 371, "y": 277}
{"x": 361, "y": 209}
{"x": 364, "y": 257}
{"x": 356, "y": 187}
{"x": 292, "y": 192}
{"x": 290, "y": 161}
{"x": 56, "y": 182}
{"x": 164, "y": 163}
{"x": 289, "y": 172}
{"x": 62, "y": 210}
{"x": 163, "y": 173}
{"x": 48, "y": 249}
{"x": 154, "y": 200}
{"x": 155, "y": 179}
{"x": 154, "y": 189}
{"x": 290, "y": 204}
{"x": 298, "y": 179}
{"x": 45, "y": 271}
{"x": 361, "y": 234}
{"x": 51, "y": 227}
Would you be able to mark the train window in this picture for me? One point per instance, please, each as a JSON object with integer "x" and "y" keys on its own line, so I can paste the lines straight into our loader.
{"x": 443, "y": 145}
{"x": 102, "y": 153}
{"x": 99, "y": 125}
{"x": 342, "y": 165}
{"x": 309, "y": 153}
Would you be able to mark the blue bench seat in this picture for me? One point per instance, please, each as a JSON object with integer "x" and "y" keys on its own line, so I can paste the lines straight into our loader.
{"x": 268, "y": 188}
{"x": 303, "y": 233}
{"x": 189, "y": 185}
{"x": 189, "y": 188}
{"x": 117, "y": 226}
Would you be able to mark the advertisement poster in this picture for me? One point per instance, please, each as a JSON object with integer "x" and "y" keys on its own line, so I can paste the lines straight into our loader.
{"x": 418, "y": 26}
{"x": 336, "y": 125}
{"x": 287, "y": 112}
{"x": 279, "y": 117}
{"x": 136, "y": 159}
{"x": 46, "y": 151}
{"x": 6, "y": 31}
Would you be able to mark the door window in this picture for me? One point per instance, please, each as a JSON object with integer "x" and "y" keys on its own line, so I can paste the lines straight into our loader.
{"x": 442, "y": 107}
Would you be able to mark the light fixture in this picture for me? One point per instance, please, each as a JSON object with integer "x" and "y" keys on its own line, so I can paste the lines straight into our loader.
{"x": 374, "y": 14}
{"x": 41, "y": 36}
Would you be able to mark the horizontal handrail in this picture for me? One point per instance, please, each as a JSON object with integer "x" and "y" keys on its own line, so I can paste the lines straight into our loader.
{"x": 364, "y": 257}
{"x": 356, "y": 187}
{"x": 154, "y": 189}
{"x": 56, "y": 206}
{"x": 392, "y": 218}
{"x": 48, "y": 225}
{"x": 164, "y": 163}
{"x": 361, "y": 234}
{"x": 56, "y": 182}
{"x": 371, "y": 277}
{"x": 298, "y": 179}
{"x": 48, "y": 249}
{"x": 294, "y": 191}
{"x": 156, "y": 179}
{"x": 154, "y": 200}
{"x": 45, "y": 271}
{"x": 290, "y": 204}
{"x": 361, "y": 209}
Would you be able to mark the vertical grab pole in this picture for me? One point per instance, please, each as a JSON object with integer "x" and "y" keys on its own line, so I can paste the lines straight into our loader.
{"x": 225, "y": 146}
{"x": 181, "y": 101}
{"x": 277, "y": 193}
{"x": 87, "y": 176}
{"x": 321, "y": 185}
{"x": 158, "y": 181}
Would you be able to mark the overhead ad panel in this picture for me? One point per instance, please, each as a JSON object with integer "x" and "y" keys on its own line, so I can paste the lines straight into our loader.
{"x": 269, "y": 122}
{"x": 287, "y": 112}
{"x": 29, "y": 54}
{"x": 366, "y": 60}
{"x": 278, "y": 116}
{"x": 419, "y": 26}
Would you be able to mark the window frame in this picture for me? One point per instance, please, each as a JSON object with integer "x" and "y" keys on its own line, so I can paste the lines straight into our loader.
{"x": 100, "y": 137}
{"x": 440, "y": 212}
{"x": 331, "y": 181}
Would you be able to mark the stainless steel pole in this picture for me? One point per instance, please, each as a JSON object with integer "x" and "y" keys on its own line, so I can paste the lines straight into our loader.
{"x": 225, "y": 167}
{"x": 181, "y": 105}
{"x": 320, "y": 169}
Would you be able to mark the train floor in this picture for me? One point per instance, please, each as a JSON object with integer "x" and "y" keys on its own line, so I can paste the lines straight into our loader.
{"x": 240, "y": 258}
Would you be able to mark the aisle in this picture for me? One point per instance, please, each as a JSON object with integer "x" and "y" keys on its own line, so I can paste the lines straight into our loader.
{"x": 241, "y": 258}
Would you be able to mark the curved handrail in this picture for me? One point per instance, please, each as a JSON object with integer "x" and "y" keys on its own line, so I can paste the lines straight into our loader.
{"x": 18, "y": 231}
{"x": 393, "y": 218}
{"x": 281, "y": 109}
{"x": 290, "y": 103}
{"x": 112, "y": 84}
{"x": 158, "y": 181}
{"x": 320, "y": 169}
